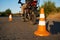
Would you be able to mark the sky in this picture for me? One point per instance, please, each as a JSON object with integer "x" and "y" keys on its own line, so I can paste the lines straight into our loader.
{"x": 15, "y": 7}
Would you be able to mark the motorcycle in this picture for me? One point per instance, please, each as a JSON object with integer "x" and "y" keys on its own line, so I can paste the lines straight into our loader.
{"x": 30, "y": 12}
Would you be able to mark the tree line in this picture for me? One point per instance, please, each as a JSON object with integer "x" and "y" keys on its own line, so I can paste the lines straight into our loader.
{"x": 6, "y": 12}
{"x": 50, "y": 7}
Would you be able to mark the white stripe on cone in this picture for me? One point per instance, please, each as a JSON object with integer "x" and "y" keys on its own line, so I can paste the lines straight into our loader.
{"x": 10, "y": 16}
{"x": 42, "y": 16}
{"x": 41, "y": 22}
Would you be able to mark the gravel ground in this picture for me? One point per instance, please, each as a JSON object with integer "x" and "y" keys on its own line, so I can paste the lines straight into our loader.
{"x": 19, "y": 30}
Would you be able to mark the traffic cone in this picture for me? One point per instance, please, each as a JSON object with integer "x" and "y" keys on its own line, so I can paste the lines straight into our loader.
{"x": 41, "y": 31}
{"x": 10, "y": 17}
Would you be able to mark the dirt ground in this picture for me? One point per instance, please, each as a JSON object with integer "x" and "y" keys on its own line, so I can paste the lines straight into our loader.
{"x": 19, "y": 30}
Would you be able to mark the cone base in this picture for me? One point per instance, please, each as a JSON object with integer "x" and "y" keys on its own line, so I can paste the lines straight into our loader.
{"x": 10, "y": 19}
{"x": 41, "y": 33}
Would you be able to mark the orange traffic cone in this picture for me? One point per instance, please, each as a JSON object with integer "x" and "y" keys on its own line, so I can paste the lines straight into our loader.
{"x": 10, "y": 17}
{"x": 41, "y": 31}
